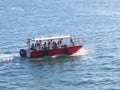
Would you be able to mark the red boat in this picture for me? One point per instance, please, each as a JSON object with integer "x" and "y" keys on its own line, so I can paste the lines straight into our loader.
{"x": 50, "y": 46}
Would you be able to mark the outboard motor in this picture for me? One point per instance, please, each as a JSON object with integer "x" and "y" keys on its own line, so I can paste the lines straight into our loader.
{"x": 22, "y": 53}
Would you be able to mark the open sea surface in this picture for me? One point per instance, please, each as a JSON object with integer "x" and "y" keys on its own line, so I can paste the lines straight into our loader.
{"x": 95, "y": 67}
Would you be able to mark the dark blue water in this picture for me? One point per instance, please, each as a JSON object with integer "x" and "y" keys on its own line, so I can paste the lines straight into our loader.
{"x": 95, "y": 67}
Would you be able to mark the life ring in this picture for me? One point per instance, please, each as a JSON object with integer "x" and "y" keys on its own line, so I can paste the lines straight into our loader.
{"x": 22, "y": 53}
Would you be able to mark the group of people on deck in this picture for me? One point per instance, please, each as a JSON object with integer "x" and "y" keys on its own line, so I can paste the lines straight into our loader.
{"x": 38, "y": 45}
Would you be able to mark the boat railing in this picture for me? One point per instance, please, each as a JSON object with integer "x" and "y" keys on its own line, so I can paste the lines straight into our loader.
{"x": 77, "y": 41}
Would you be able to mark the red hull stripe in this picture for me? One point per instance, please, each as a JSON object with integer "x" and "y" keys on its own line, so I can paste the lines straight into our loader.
{"x": 66, "y": 50}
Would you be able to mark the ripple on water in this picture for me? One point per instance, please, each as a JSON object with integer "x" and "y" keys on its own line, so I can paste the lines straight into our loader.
{"x": 5, "y": 57}
{"x": 96, "y": 21}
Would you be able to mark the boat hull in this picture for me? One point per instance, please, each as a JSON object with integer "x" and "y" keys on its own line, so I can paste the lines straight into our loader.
{"x": 52, "y": 52}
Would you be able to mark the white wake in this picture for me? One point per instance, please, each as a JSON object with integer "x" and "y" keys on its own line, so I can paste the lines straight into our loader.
{"x": 83, "y": 52}
{"x": 7, "y": 57}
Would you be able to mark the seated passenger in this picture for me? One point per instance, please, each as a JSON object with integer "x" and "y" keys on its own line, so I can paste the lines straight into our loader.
{"x": 37, "y": 45}
{"x": 50, "y": 44}
{"x": 54, "y": 45}
{"x": 60, "y": 43}
{"x": 33, "y": 47}
{"x": 40, "y": 45}
{"x": 45, "y": 45}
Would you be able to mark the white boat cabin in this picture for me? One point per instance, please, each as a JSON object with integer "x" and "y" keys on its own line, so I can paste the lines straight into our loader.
{"x": 50, "y": 42}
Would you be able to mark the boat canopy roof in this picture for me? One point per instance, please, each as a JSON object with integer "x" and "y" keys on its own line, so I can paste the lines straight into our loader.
{"x": 51, "y": 38}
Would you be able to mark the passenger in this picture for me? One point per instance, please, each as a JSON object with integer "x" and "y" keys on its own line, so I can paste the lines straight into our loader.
{"x": 40, "y": 45}
{"x": 71, "y": 42}
{"x": 60, "y": 43}
{"x": 45, "y": 46}
{"x": 37, "y": 45}
{"x": 33, "y": 47}
{"x": 54, "y": 45}
{"x": 50, "y": 44}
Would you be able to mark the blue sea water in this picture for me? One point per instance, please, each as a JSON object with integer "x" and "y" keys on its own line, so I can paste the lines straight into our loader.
{"x": 95, "y": 67}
